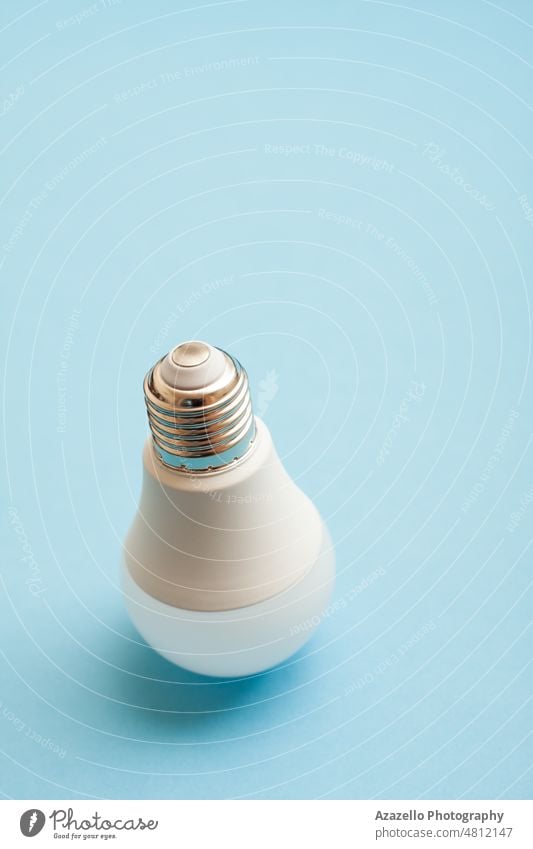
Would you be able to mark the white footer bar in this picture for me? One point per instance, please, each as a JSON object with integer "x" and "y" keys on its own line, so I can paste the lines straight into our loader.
{"x": 268, "y": 824}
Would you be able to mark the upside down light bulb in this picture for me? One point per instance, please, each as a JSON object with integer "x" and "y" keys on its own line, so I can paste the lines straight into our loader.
{"x": 227, "y": 565}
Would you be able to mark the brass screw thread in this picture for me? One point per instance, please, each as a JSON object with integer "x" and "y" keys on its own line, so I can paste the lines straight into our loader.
{"x": 203, "y": 428}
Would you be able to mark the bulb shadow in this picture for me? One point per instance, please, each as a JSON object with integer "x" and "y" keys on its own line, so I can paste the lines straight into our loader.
{"x": 172, "y": 697}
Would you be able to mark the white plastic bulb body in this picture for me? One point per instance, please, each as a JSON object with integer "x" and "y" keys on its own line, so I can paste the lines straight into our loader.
{"x": 227, "y": 571}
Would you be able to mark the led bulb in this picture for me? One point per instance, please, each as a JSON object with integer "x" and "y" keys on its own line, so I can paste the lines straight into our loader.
{"x": 227, "y": 565}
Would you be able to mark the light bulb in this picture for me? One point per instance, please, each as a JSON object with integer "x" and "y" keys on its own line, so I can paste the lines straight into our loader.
{"x": 227, "y": 566}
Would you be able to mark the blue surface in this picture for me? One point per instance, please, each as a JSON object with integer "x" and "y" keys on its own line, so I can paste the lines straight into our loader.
{"x": 341, "y": 195}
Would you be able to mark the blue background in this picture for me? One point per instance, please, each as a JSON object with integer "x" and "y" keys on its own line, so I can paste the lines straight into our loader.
{"x": 337, "y": 193}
